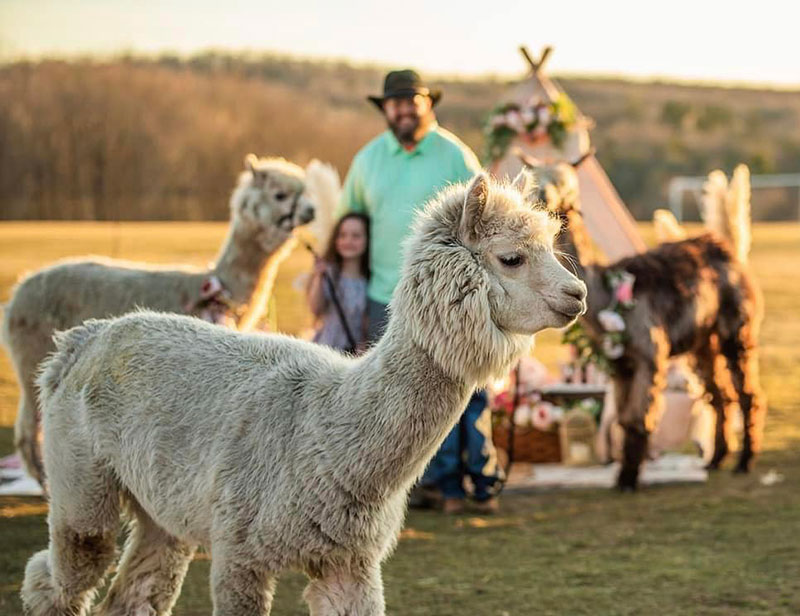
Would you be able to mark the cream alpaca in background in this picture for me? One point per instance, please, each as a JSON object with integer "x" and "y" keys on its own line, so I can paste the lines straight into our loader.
{"x": 275, "y": 452}
{"x": 266, "y": 205}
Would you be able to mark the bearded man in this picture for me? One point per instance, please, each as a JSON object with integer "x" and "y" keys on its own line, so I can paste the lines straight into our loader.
{"x": 390, "y": 177}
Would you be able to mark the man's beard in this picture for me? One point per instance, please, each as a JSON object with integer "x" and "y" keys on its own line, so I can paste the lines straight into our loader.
{"x": 407, "y": 132}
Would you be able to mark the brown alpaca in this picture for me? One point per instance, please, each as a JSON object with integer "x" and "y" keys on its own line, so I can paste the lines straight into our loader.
{"x": 691, "y": 297}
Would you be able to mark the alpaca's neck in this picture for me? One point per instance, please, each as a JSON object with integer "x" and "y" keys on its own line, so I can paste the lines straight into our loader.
{"x": 413, "y": 386}
{"x": 247, "y": 265}
{"x": 408, "y": 404}
{"x": 574, "y": 242}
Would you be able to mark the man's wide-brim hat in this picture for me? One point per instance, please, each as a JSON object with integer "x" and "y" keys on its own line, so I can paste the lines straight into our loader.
{"x": 404, "y": 84}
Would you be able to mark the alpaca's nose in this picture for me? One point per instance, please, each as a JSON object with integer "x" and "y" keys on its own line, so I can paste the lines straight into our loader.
{"x": 575, "y": 288}
{"x": 305, "y": 215}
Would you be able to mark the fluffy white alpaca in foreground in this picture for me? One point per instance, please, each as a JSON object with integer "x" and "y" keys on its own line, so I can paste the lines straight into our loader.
{"x": 268, "y": 202}
{"x": 275, "y": 452}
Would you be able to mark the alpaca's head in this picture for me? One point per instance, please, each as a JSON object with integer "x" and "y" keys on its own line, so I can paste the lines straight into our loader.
{"x": 480, "y": 277}
{"x": 270, "y": 198}
{"x": 557, "y": 186}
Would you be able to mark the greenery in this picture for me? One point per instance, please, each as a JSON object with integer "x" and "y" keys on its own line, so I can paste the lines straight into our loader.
{"x": 726, "y": 547}
{"x": 587, "y": 351}
{"x": 535, "y": 120}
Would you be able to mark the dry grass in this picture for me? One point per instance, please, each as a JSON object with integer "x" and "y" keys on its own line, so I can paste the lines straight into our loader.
{"x": 728, "y": 547}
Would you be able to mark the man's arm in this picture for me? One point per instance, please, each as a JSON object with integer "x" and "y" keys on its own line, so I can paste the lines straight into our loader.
{"x": 352, "y": 199}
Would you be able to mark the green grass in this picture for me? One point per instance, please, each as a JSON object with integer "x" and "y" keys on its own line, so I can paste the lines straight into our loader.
{"x": 726, "y": 547}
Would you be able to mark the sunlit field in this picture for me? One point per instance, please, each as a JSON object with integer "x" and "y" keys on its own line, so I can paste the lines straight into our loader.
{"x": 727, "y": 547}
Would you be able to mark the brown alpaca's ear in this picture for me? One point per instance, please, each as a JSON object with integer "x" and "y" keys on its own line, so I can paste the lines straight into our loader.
{"x": 474, "y": 208}
{"x": 525, "y": 183}
{"x": 552, "y": 198}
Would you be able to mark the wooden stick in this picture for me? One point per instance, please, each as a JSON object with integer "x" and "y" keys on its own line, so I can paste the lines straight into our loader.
{"x": 536, "y": 66}
{"x": 543, "y": 58}
{"x": 527, "y": 55}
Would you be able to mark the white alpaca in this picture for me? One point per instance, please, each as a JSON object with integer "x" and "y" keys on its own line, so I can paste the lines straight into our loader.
{"x": 266, "y": 205}
{"x": 275, "y": 452}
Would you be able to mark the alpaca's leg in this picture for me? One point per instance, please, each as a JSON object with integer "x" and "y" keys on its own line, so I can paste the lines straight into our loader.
{"x": 84, "y": 517}
{"x": 742, "y": 360}
{"x": 712, "y": 370}
{"x": 354, "y": 593}
{"x": 642, "y": 406}
{"x": 150, "y": 573}
{"x": 26, "y": 430}
{"x": 240, "y": 589}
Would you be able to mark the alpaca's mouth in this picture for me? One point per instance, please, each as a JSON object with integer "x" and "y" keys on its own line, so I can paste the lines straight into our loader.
{"x": 570, "y": 307}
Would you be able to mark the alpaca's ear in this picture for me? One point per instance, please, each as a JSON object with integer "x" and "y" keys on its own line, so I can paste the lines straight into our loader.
{"x": 250, "y": 162}
{"x": 251, "y": 165}
{"x": 525, "y": 183}
{"x": 474, "y": 207}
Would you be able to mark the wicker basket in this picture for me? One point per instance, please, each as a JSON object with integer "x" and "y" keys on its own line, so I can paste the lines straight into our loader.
{"x": 530, "y": 444}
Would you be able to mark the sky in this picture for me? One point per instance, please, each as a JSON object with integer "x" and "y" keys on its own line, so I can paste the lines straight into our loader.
{"x": 707, "y": 40}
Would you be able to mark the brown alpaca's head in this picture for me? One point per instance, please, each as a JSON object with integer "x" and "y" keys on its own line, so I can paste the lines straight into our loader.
{"x": 557, "y": 185}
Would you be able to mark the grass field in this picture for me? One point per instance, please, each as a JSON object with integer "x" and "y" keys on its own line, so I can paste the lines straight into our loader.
{"x": 728, "y": 547}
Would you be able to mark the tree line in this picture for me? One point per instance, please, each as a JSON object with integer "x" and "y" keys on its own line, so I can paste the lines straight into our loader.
{"x": 163, "y": 138}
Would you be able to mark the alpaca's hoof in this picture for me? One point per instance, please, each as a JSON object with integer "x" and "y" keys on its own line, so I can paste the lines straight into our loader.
{"x": 713, "y": 465}
{"x": 742, "y": 468}
{"x": 628, "y": 480}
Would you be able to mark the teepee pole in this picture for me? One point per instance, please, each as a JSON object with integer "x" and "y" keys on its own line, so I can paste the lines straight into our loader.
{"x": 551, "y": 90}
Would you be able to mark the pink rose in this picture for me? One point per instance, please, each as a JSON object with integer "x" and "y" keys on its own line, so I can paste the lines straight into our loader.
{"x": 624, "y": 292}
{"x": 542, "y": 416}
{"x": 211, "y": 287}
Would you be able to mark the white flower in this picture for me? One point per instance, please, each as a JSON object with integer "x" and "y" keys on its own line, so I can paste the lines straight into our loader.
{"x": 514, "y": 120}
{"x": 544, "y": 116}
{"x": 613, "y": 350}
{"x": 523, "y": 415}
{"x": 528, "y": 116}
{"x": 497, "y": 121}
{"x": 611, "y": 321}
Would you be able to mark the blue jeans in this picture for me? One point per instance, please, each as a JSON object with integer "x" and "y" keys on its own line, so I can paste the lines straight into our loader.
{"x": 467, "y": 450}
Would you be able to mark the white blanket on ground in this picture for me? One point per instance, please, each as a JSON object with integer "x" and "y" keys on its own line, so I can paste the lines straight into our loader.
{"x": 670, "y": 468}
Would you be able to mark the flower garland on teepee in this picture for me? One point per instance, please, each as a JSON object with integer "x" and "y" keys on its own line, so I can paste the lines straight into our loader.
{"x": 612, "y": 345}
{"x": 534, "y": 121}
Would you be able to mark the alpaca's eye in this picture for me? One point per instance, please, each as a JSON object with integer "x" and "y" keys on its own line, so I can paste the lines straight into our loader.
{"x": 511, "y": 261}
{"x": 281, "y": 196}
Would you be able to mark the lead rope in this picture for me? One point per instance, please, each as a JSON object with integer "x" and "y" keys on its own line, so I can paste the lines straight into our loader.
{"x": 351, "y": 339}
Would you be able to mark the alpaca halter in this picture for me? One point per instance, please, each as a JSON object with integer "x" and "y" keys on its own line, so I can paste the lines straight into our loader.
{"x": 292, "y": 211}
{"x": 215, "y": 304}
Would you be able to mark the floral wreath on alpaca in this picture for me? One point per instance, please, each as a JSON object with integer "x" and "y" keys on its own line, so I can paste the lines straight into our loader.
{"x": 615, "y": 335}
{"x": 535, "y": 122}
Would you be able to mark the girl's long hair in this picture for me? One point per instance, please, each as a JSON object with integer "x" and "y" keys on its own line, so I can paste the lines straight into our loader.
{"x": 334, "y": 258}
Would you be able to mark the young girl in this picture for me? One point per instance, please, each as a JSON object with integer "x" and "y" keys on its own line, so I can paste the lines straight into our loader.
{"x": 345, "y": 269}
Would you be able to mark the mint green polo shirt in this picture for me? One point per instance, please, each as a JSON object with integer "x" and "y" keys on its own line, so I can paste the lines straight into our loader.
{"x": 389, "y": 183}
